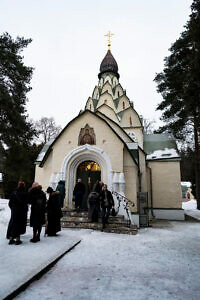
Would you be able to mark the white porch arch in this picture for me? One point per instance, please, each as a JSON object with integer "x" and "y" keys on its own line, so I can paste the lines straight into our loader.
{"x": 76, "y": 157}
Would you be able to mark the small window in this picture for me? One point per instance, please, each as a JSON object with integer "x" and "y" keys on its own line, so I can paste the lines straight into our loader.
{"x": 90, "y": 107}
{"x": 123, "y": 105}
{"x": 130, "y": 121}
{"x": 105, "y": 101}
{"x": 118, "y": 93}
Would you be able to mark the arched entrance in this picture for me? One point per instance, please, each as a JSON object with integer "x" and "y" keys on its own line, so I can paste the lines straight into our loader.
{"x": 75, "y": 158}
{"x": 89, "y": 171}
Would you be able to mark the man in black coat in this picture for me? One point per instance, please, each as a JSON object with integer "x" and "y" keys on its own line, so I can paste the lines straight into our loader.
{"x": 78, "y": 193}
{"x": 18, "y": 205}
{"x": 107, "y": 202}
{"x": 54, "y": 213}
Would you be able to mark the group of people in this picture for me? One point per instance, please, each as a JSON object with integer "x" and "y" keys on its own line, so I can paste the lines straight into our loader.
{"x": 43, "y": 211}
{"x": 100, "y": 199}
{"x": 49, "y": 211}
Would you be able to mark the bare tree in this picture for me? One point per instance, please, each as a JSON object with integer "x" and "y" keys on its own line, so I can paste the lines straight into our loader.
{"x": 46, "y": 129}
{"x": 149, "y": 125}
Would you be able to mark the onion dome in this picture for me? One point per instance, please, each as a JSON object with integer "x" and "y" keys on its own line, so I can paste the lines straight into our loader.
{"x": 109, "y": 64}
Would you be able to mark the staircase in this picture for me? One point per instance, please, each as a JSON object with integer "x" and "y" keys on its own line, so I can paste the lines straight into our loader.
{"x": 117, "y": 224}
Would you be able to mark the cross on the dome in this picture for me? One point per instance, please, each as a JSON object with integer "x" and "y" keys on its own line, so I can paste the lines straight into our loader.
{"x": 109, "y": 34}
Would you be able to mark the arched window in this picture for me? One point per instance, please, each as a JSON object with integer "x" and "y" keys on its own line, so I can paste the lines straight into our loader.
{"x": 118, "y": 93}
{"x": 130, "y": 121}
{"x": 90, "y": 106}
{"x": 105, "y": 101}
{"x": 123, "y": 104}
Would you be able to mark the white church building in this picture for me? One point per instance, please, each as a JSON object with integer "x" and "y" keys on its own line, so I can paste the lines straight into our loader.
{"x": 106, "y": 141}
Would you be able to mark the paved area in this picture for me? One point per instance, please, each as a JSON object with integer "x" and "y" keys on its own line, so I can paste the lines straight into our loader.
{"x": 20, "y": 264}
{"x": 157, "y": 263}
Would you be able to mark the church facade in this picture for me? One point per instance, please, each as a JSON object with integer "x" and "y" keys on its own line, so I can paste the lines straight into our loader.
{"x": 106, "y": 142}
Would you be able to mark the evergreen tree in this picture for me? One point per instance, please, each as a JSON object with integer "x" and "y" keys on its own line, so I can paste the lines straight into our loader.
{"x": 188, "y": 167}
{"x": 15, "y": 130}
{"x": 179, "y": 84}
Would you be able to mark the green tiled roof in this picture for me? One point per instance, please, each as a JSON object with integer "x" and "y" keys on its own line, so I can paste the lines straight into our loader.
{"x": 120, "y": 114}
{"x": 95, "y": 103}
{"x": 116, "y": 102}
{"x": 160, "y": 146}
{"x": 44, "y": 150}
{"x": 153, "y": 142}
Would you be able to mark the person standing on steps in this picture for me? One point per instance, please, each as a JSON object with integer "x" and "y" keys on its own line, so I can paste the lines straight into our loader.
{"x": 61, "y": 189}
{"x": 93, "y": 206}
{"x": 107, "y": 202}
{"x": 37, "y": 199}
{"x": 18, "y": 204}
{"x": 54, "y": 213}
{"x": 78, "y": 194}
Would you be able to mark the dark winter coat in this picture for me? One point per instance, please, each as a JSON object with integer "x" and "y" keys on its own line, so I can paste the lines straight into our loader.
{"x": 93, "y": 207}
{"x": 78, "y": 193}
{"x": 37, "y": 199}
{"x": 54, "y": 214}
{"x": 79, "y": 187}
{"x": 18, "y": 205}
{"x": 109, "y": 198}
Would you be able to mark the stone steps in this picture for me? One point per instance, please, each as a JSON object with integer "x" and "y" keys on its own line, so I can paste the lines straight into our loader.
{"x": 113, "y": 228}
{"x": 85, "y": 219}
{"x": 84, "y": 214}
{"x": 79, "y": 220}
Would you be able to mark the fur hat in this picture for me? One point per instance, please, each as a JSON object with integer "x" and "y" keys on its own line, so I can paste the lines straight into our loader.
{"x": 49, "y": 190}
{"x": 35, "y": 184}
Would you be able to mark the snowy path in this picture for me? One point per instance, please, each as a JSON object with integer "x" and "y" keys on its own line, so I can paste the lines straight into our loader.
{"x": 155, "y": 264}
{"x": 18, "y": 264}
{"x": 190, "y": 209}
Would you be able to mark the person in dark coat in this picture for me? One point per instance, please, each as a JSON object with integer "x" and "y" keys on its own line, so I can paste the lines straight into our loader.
{"x": 18, "y": 204}
{"x": 93, "y": 207}
{"x": 78, "y": 194}
{"x": 107, "y": 202}
{"x": 37, "y": 199}
{"x": 54, "y": 213}
{"x": 61, "y": 189}
{"x": 98, "y": 186}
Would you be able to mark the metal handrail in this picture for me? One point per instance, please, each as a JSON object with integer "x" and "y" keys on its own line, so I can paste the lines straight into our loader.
{"x": 126, "y": 205}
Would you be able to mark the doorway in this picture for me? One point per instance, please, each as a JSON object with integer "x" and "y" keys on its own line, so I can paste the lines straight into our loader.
{"x": 89, "y": 171}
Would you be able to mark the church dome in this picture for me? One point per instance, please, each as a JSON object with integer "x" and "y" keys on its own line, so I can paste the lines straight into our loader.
{"x": 109, "y": 64}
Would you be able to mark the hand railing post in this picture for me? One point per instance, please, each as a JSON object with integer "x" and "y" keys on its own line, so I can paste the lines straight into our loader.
{"x": 125, "y": 204}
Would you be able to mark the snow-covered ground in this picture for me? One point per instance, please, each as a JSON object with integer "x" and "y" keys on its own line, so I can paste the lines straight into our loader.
{"x": 19, "y": 263}
{"x": 157, "y": 263}
{"x": 190, "y": 209}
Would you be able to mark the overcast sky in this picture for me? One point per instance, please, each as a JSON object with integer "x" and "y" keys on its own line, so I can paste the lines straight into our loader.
{"x": 69, "y": 44}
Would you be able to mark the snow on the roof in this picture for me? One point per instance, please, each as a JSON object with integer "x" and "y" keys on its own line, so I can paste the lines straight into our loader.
{"x": 41, "y": 156}
{"x": 44, "y": 150}
{"x": 161, "y": 154}
{"x": 186, "y": 183}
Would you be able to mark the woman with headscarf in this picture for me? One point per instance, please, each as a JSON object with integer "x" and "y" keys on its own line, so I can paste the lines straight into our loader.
{"x": 61, "y": 189}
{"x": 37, "y": 199}
{"x": 18, "y": 205}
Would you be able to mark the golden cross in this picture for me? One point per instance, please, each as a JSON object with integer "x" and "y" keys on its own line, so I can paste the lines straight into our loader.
{"x": 109, "y": 34}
